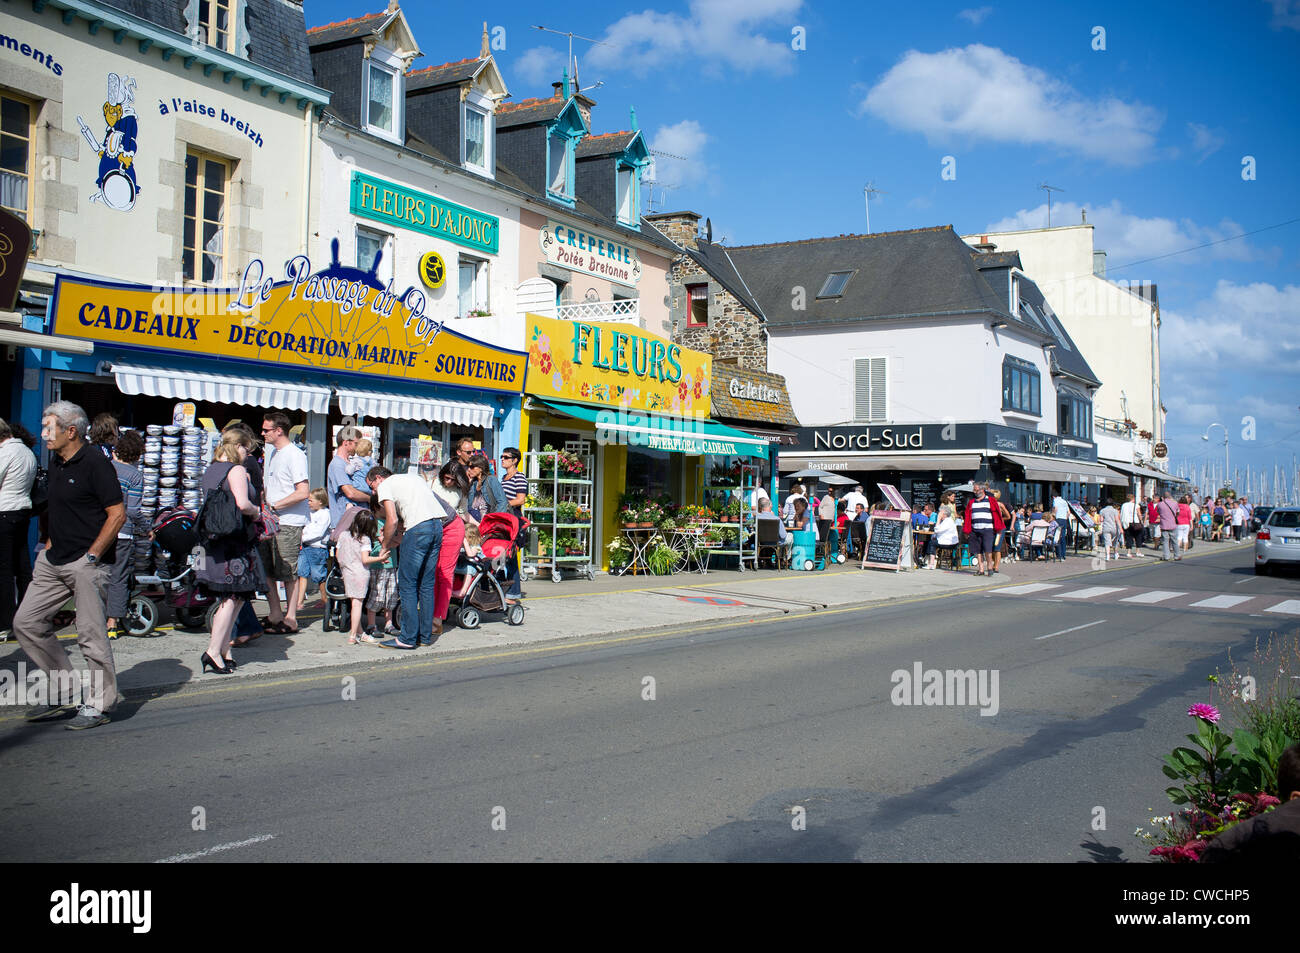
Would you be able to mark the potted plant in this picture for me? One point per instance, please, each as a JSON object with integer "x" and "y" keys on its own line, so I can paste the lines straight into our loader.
{"x": 660, "y": 558}
{"x": 629, "y": 516}
{"x": 544, "y": 542}
{"x": 620, "y": 553}
{"x": 733, "y": 511}
{"x": 546, "y": 462}
{"x": 566, "y": 512}
{"x": 651, "y": 514}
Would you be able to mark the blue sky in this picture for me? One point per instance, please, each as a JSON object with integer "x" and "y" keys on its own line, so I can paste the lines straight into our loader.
{"x": 1148, "y": 134}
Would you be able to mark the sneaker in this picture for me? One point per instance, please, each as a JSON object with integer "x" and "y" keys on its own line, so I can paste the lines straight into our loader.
{"x": 49, "y": 712}
{"x": 6, "y": 635}
{"x": 116, "y": 633}
{"x": 87, "y": 717}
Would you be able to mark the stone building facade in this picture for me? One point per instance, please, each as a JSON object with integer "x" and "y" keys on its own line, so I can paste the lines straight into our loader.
{"x": 703, "y": 277}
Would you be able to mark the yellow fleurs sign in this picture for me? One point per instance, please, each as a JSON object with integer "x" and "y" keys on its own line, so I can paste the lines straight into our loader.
{"x": 617, "y": 365}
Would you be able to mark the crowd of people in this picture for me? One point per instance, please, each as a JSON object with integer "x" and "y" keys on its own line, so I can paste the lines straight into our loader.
{"x": 399, "y": 540}
{"x": 992, "y": 531}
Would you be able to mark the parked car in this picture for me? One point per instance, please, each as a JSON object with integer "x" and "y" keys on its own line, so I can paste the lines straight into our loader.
{"x": 1278, "y": 540}
{"x": 1261, "y": 514}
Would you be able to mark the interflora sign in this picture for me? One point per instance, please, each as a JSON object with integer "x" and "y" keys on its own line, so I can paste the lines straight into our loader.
{"x": 590, "y": 253}
{"x": 337, "y": 319}
{"x": 400, "y": 207}
{"x": 618, "y": 365}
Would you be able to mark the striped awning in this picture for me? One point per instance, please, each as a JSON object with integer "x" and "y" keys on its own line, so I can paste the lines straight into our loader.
{"x": 221, "y": 388}
{"x": 422, "y": 409}
{"x": 1058, "y": 470}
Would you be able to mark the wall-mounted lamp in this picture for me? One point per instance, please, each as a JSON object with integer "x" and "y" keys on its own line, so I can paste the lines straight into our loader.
{"x": 997, "y": 324}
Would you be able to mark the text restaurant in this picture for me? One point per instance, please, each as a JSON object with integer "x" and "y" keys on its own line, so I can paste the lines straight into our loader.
{"x": 326, "y": 347}
{"x": 617, "y": 418}
{"x": 923, "y": 459}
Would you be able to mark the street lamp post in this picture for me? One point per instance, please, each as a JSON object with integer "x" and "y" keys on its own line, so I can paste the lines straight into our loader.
{"x": 1227, "y": 474}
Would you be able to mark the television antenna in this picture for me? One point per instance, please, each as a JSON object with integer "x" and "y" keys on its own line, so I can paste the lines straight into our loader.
{"x": 869, "y": 190}
{"x": 1049, "y": 189}
{"x": 651, "y": 204}
{"x": 572, "y": 63}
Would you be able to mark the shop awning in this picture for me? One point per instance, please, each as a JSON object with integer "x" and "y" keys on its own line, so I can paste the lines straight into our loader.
{"x": 882, "y": 461}
{"x": 1133, "y": 469}
{"x": 50, "y": 342}
{"x": 404, "y": 407}
{"x": 781, "y": 437}
{"x": 1053, "y": 470}
{"x": 662, "y": 432}
{"x": 221, "y": 388}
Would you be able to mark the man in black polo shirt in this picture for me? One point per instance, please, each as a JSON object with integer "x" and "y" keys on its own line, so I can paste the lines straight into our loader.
{"x": 86, "y": 510}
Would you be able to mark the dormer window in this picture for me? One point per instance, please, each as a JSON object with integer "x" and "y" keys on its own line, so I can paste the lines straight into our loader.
{"x": 476, "y": 141}
{"x": 559, "y": 166}
{"x": 383, "y": 95}
{"x": 834, "y": 284}
{"x": 475, "y": 137}
{"x": 626, "y": 189}
{"x": 216, "y": 23}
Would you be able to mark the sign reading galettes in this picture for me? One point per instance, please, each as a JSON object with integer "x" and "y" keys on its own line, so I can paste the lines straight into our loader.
{"x": 400, "y": 207}
{"x": 338, "y": 319}
{"x": 748, "y": 390}
{"x": 590, "y": 253}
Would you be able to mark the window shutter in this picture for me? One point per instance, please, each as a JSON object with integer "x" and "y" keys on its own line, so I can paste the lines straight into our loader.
{"x": 870, "y": 388}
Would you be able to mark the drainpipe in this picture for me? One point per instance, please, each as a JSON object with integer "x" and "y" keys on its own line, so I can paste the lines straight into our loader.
{"x": 306, "y": 177}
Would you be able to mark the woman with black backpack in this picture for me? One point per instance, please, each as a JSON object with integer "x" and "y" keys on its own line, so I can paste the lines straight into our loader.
{"x": 230, "y": 567}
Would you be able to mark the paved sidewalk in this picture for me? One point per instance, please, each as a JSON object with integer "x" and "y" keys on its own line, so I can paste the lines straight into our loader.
{"x": 580, "y": 608}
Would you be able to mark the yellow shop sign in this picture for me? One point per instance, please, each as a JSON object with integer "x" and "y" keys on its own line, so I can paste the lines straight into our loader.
{"x": 339, "y": 319}
{"x": 615, "y": 364}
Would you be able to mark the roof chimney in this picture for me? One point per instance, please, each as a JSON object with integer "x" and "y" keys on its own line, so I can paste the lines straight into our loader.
{"x": 680, "y": 227}
{"x": 1099, "y": 264}
{"x": 984, "y": 246}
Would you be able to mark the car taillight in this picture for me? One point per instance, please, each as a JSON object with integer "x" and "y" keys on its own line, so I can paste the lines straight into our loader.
{"x": 1263, "y": 534}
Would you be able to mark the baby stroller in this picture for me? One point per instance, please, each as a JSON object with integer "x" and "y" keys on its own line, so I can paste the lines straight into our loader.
{"x": 175, "y": 550}
{"x": 501, "y": 533}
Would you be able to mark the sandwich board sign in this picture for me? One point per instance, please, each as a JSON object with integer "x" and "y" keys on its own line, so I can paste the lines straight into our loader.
{"x": 889, "y": 540}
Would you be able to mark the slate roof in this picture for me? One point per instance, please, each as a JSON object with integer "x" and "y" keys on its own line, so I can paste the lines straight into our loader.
{"x": 347, "y": 29}
{"x": 607, "y": 143}
{"x": 277, "y": 31}
{"x": 529, "y": 110}
{"x": 916, "y": 273}
{"x": 444, "y": 74}
{"x": 1066, "y": 354}
{"x": 996, "y": 259}
{"x": 753, "y": 411}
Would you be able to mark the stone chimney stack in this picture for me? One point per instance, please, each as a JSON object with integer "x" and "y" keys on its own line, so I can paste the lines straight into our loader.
{"x": 680, "y": 227}
{"x": 984, "y": 246}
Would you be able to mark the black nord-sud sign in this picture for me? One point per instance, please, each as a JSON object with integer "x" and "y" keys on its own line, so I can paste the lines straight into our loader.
{"x": 883, "y": 438}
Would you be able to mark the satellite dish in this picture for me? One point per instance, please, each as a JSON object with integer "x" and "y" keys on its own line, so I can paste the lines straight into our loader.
{"x": 708, "y": 230}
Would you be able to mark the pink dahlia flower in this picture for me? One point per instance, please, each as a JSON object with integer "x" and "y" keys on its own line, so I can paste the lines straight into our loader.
{"x": 1206, "y": 712}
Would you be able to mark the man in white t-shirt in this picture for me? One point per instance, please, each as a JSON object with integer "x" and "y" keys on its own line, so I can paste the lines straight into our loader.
{"x": 285, "y": 488}
{"x": 408, "y": 498}
{"x": 1238, "y": 521}
{"x": 853, "y": 498}
{"x": 1130, "y": 524}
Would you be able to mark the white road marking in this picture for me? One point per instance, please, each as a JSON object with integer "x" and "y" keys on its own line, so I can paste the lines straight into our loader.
{"x": 1247, "y": 579}
{"x": 1092, "y": 592}
{"x": 182, "y": 858}
{"x": 1290, "y": 607}
{"x": 1155, "y": 595}
{"x": 1076, "y": 628}
{"x": 1026, "y": 589}
{"x": 1221, "y": 602}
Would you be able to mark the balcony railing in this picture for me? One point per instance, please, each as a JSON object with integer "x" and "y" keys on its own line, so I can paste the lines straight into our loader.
{"x": 627, "y": 310}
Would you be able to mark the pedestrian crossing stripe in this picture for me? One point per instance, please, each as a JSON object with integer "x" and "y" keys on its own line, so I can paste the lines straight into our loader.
{"x": 1221, "y": 602}
{"x": 1289, "y": 607}
{"x": 1161, "y": 598}
{"x": 1155, "y": 595}
{"x": 1092, "y": 592}
{"x": 1027, "y": 589}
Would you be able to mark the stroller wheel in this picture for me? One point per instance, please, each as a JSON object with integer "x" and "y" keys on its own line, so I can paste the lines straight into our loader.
{"x": 209, "y": 615}
{"x": 515, "y": 615}
{"x": 141, "y": 616}
{"x": 468, "y": 617}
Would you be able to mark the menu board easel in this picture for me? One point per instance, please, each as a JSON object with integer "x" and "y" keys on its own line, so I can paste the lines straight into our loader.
{"x": 889, "y": 540}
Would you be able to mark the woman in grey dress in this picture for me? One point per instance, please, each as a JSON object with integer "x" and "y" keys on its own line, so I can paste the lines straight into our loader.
{"x": 230, "y": 568}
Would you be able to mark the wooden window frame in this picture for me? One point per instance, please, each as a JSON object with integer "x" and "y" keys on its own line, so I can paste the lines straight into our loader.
{"x": 198, "y": 250}
{"x": 33, "y": 111}
{"x": 690, "y": 310}
{"x": 210, "y": 28}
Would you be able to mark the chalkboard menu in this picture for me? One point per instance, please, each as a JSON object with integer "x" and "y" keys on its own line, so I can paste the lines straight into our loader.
{"x": 885, "y": 544}
{"x": 923, "y": 492}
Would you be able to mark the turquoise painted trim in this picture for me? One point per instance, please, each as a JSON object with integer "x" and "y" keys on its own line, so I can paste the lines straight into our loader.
{"x": 125, "y": 24}
{"x": 569, "y": 124}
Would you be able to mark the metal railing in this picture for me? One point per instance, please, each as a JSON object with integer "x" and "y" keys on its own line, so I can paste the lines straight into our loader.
{"x": 620, "y": 309}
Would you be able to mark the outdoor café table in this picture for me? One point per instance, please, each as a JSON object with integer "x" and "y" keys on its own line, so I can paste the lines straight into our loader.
{"x": 688, "y": 541}
{"x": 639, "y": 539}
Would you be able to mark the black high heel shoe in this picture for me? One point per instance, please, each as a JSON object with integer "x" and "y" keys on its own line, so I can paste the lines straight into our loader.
{"x": 230, "y": 663}
{"x": 208, "y": 663}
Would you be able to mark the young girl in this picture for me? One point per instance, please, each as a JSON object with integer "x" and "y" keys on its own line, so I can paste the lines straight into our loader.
{"x": 355, "y": 559}
{"x": 383, "y": 595}
{"x": 471, "y": 550}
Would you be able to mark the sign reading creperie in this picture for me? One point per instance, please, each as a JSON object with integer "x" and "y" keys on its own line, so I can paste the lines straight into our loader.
{"x": 590, "y": 253}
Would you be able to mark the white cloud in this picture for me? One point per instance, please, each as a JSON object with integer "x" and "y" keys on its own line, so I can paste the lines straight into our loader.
{"x": 1205, "y": 141}
{"x": 715, "y": 33}
{"x": 981, "y": 93}
{"x": 539, "y": 65}
{"x": 1255, "y": 319}
{"x": 976, "y": 15}
{"x": 1286, "y": 14}
{"x": 686, "y": 139}
{"x": 1126, "y": 237}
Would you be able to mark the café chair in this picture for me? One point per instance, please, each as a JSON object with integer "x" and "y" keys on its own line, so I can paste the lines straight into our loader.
{"x": 769, "y": 539}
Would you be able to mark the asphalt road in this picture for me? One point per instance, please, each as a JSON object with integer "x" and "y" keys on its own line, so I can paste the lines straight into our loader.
{"x": 753, "y": 729}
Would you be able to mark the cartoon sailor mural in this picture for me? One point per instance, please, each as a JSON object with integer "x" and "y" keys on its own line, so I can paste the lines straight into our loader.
{"x": 116, "y": 181}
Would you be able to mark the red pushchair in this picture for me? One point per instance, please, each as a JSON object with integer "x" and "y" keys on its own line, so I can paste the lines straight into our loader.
{"x": 501, "y": 534}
